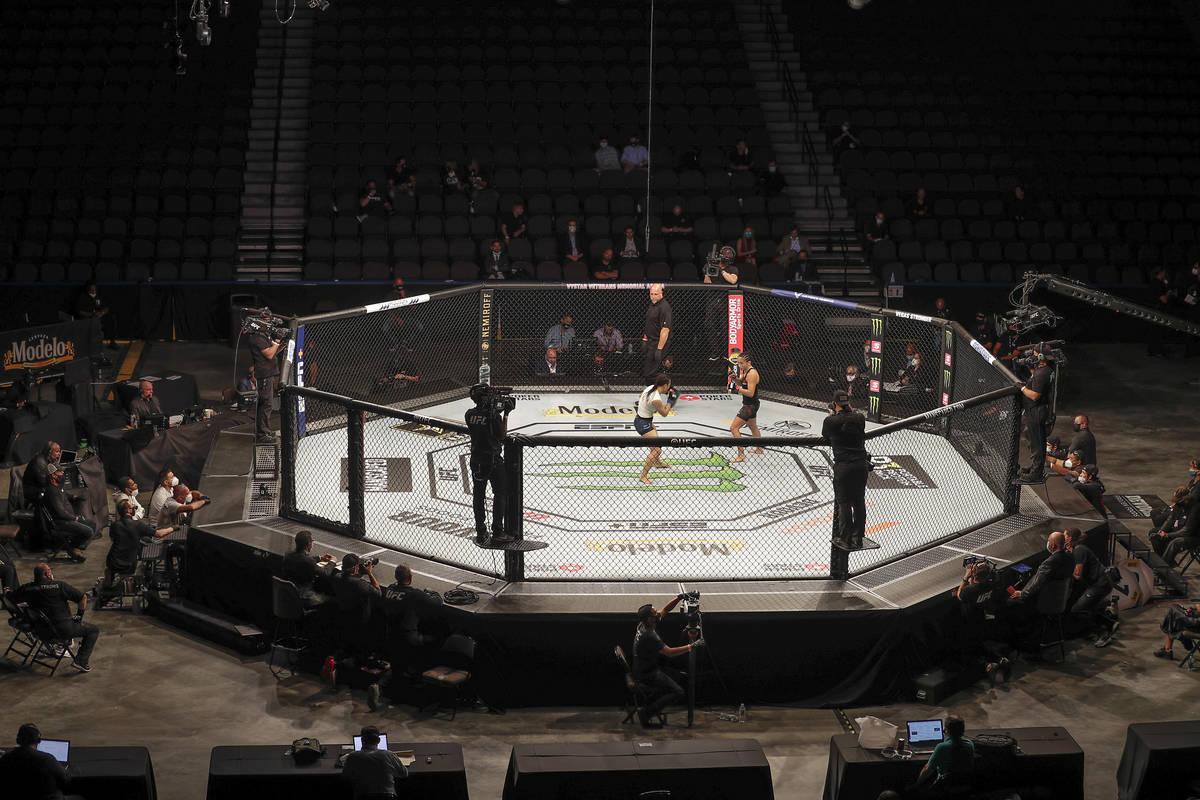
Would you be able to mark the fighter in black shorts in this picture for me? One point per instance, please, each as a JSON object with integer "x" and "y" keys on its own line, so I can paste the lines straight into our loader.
{"x": 744, "y": 381}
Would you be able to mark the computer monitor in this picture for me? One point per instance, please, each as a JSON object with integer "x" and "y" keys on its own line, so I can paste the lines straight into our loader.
{"x": 59, "y": 748}
{"x": 66, "y": 457}
{"x": 382, "y": 742}
{"x": 925, "y": 731}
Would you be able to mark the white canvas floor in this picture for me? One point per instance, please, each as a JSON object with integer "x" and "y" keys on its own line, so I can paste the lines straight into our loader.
{"x": 703, "y": 517}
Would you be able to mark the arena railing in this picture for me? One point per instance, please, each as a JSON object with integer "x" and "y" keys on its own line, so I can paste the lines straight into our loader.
{"x": 802, "y": 344}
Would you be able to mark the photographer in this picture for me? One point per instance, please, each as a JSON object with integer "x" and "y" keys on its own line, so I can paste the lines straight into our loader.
{"x": 648, "y": 648}
{"x": 845, "y": 431}
{"x": 488, "y": 422}
{"x": 264, "y": 351}
{"x": 1035, "y": 397}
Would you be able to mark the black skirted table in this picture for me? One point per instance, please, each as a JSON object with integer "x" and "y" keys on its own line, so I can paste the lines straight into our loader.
{"x": 1048, "y": 757}
{"x": 1160, "y": 760}
{"x": 255, "y": 772}
{"x": 112, "y": 773}
{"x": 141, "y": 453}
{"x": 696, "y": 769}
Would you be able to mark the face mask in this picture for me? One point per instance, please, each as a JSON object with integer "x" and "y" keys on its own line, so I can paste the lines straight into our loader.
{"x": 845, "y": 127}
{"x": 850, "y": 377}
{"x": 174, "y": 481}
{"x": 747, "y": 234}
{"x": 1194, "y": 472}
{"x": 1068, "y": 464}
{"x": 604, "y": 144}
{"x": 1077, "y": 427}
{"x": 571, "y": 228}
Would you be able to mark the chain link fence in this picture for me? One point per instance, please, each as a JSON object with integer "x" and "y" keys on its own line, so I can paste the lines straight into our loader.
{"x": 357, "y": 460}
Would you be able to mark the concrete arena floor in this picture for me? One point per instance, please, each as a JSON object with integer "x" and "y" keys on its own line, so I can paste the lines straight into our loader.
{"x": 180, "y": 696}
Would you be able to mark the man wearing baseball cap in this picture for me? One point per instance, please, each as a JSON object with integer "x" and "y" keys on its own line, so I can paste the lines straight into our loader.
{"x": 845, "y": 429}
{"x": 648, "y": 647}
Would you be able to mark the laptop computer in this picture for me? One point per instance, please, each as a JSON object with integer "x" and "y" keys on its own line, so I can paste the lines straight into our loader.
{"x": 924, "y": 735}
{"x": 66, "y": 457}
{"x": 59, "y": 748}
{"x": 382, "y": 742}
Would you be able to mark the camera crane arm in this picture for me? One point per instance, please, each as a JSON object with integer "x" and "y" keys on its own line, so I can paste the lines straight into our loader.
{"x": 1099, "y": 299}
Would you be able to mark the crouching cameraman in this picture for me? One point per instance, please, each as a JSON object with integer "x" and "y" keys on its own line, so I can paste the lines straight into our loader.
{"x": 648, "y": 648}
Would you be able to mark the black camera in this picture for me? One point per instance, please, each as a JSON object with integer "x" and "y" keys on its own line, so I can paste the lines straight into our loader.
{"x": 261, "y": 320}
{"x": 499, "y": 399}
{"x": 368, "y": 562}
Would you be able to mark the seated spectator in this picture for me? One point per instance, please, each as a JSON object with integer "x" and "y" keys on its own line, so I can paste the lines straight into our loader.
{"x": 51, "y": 597}
{"x": 629, "y": 247}
{"x": 1083, "y": 440}
{"x": 801, "y": 270}
{"x": 402, "y": 179}
{"x": 606, "y": 156}
{"x": 452, "y": 183}
{"x": 163, "y": 491}
{"x": 607, "y": 269}
{"x": 476, "y": 178}
{"x": 513, "y": 225}
{"x": 635, "y": 155}
{"x": 1178, "y": 619}
{"x": 548, "y": 364}
{"x": 371, "y": 202}
{"x": 406, "y": 607}
{"x": 303, "y": 569}
{"x": 1089, "y": 485}
{"x": 1019, "y": 208}
{"x": 919, "y": 207}
{"x": 572, "y": 245}
{"x": 850, "y": 382}
{"x": 126, "y": 534}
{"x": 608, "y": 342}
{"x": 145, "y": 406}
{"x": 1192, "y": 484}
{"x": 28, "y": 773}
{"x": 951, "y": 766}
{"x": 174, "y": 509}
{"x": 1089, "y": 597}
{"x": 68, "y": 531}
{"x": 127, "y": 490}
{"x": 740, "y": 158}
{"x": 248, "y": 383}
{"x": 1173, "y": 524}
{"x": 911, "y": 364}
{"x": 372, "y": 773}
{"x": 747, "y": 248}
{"x": 89, "y": 305}
{"x": 845, "y": 140}
{"x": 496, "y": 266}
{"x": 676, "y": 224}
{"x": 791, "y": 247}
{"x": 772, "y": 183}
{"x": 37, "y": 472}
{"x": 560, "y": 336}
{"x": 877, "y": 228}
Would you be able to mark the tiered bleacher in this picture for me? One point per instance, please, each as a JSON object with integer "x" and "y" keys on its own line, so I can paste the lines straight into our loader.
{"x": 1090, "y": 107}
{"x": 114, "y": 167}
{"x": 528, "y": 90}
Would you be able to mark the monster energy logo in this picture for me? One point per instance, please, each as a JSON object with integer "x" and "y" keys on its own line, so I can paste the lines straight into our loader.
{"x": 712, "y": 474}
{"x": 946, "y": 377}
{"x": 873, "y": 404}
{"x": 876, "y": 365}
{"x": 876, "y": 327}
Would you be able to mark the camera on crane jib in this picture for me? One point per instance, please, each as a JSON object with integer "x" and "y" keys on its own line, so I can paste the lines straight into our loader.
{"x": 262, "y": 320}
{"x": 690, "y": 607}
{"x": 718, "y": 260}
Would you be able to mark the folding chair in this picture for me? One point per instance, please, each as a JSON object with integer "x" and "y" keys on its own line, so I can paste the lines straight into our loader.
{"x": 24, "y": 642}
{"x": 52, "y": 648}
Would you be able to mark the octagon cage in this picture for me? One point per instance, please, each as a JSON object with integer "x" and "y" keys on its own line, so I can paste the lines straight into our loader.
{"x": 374, "y": 445}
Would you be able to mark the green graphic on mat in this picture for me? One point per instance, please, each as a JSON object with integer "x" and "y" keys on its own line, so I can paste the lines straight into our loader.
{"x": 680, "y": 476}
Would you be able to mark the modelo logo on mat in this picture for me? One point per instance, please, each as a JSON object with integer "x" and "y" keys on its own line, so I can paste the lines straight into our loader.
{"x": 663, "y": 547}
{"x": 381, "y": 475}
{"x": 37, "y": 351}
{"x": 897, "y": 472}
{"x": 712, "y": 474}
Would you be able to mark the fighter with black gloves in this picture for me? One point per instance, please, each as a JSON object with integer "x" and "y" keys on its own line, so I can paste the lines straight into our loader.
{"x": 744, "y": 381}
{"x": 658, "y": 398}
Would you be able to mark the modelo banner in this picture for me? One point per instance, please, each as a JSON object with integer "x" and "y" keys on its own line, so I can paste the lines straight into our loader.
{"x": 47, "y": 346}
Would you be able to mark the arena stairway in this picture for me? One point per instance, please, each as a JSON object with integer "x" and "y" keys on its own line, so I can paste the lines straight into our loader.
{"x": 271, "y": 243}
{"x": 814, "y": 187}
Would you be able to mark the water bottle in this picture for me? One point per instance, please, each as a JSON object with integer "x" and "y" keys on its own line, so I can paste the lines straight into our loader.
{"x": 741, "y": 712}
{"x": 82, "y": 449}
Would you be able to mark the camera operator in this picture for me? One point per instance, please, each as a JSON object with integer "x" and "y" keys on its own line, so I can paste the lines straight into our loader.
{"x": 357, "y": 592}
{"x": 648, "y": 648}
{"x": 845, "y": 430}
{"x": 488, "y": 423}
{"x": 1035, "y": 397}
{"x": 722, "y": 265}
{"x": 264, "y": 351}
{"x": 719, "y": 268}
{"x": 656, "y": 332}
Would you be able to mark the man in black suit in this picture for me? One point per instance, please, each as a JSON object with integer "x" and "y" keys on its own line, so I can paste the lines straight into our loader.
{"x": 496, "y": 266}
{"x": 572, "y": 246}
{"x": 1059, "y": 566}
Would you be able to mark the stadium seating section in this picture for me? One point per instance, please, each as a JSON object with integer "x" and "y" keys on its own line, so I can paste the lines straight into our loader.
{"x": 113, "y": 167}
{"x": 1089, "y": 106}
{"x": 527, "y": 89}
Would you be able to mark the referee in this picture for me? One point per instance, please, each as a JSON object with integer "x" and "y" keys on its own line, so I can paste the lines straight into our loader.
{"x": 844, "y": 429}
{"x": 656, "y": 334}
